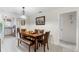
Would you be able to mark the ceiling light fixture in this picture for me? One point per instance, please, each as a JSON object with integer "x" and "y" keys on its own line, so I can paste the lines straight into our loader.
{"x": 23, "y": 15}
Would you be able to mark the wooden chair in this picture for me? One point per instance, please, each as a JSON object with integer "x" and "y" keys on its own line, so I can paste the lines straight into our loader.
{"x": 23, "y": 30}
{"x": 41, "y": 31}
{"x": 40, "y": 38}
{"x": 44, "y": 41}
{"x": 18, "y": 30}
{"x": 36, "y": 30}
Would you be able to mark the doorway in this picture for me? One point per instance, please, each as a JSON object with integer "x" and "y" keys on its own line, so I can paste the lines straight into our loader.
{"x": 68, "y": 28}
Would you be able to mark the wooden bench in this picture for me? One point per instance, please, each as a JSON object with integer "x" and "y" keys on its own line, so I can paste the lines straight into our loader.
{"x": 26, "y": 41}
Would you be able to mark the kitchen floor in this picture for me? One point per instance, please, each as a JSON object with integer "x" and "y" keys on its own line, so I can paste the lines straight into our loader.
{"x": 9, "y": 44}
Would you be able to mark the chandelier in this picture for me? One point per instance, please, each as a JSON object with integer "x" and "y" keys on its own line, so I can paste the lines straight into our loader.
{"x": 23, "y": 13}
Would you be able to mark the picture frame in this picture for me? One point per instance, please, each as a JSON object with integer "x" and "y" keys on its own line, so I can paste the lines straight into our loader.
{"x": 40, "y": 20}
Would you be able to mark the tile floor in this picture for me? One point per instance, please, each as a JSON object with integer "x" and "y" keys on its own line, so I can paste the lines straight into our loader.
{"x": 9, "y": 44}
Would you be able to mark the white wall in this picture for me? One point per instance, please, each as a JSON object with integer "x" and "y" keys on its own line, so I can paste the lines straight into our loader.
{"x": 52, "y": 22}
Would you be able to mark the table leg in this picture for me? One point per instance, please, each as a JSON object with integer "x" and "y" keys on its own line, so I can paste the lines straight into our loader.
{"x": 18, "y": 42}
{"x": 35, "y": 45}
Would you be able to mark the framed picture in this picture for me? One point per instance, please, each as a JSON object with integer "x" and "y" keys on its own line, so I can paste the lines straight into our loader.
{"x": 40, "y": 20}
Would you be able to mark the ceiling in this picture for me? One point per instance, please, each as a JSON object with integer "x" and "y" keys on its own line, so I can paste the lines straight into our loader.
{"x": 17, "y": 11}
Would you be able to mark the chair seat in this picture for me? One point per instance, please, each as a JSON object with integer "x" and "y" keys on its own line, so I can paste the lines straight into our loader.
{"x": 41, "y": 41}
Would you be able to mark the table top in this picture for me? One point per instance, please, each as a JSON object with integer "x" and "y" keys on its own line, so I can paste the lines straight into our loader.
{"x": 33, "y": 34}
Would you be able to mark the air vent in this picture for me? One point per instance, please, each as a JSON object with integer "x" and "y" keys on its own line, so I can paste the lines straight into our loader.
{"x": 40, "y": 12}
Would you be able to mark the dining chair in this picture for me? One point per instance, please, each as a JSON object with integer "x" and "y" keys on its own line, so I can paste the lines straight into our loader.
{"x": 23, "y": 29}
{"x": 41, "y": 31}
{"x": 18, "y": 30}
{"x": 36, "y": 30}
{"x": 40, "y": 38}
{"x": 44, "y": 41}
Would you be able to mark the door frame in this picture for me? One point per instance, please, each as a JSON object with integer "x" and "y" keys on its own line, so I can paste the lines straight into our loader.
{"x": 60, "y": 32}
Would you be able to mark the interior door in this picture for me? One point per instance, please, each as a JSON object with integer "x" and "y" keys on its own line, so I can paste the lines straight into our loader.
{"x": 68, "y": 27}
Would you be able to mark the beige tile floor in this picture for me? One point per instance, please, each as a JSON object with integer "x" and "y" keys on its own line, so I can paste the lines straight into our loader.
{"x": 9, "y": 44}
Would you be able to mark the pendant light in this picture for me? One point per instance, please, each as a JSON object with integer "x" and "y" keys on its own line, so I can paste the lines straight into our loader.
{"x": 23, "y": 15}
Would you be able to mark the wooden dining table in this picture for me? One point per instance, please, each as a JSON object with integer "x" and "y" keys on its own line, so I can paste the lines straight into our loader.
{"x": 33, "y": 35}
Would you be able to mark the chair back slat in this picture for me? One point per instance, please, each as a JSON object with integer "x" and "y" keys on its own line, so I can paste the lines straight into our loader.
{"x": 36, "y": 31}
{"x": 41, "y": 31}
{"x": 23, "y": 30}
{"x": 18, "y": 30}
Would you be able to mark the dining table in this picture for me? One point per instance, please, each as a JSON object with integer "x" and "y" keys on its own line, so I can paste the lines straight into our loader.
{"x": 33, "y": 35}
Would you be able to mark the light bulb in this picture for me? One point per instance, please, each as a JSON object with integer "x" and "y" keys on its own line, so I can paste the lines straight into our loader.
{"x": 23, "y": 17}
